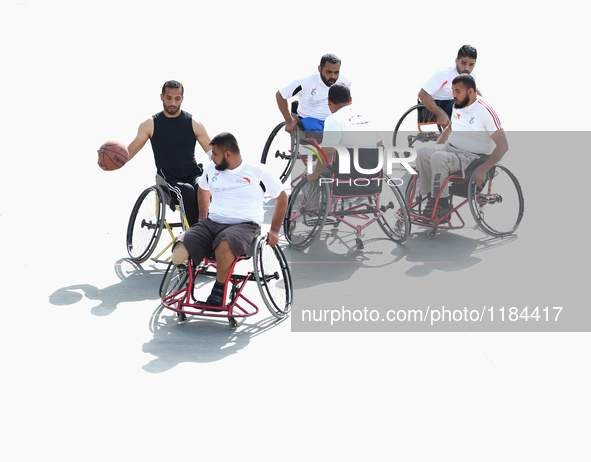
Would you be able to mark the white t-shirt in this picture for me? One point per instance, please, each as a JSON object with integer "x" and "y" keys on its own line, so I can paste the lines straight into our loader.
{"x": 350, "y": 128}
{"x": 237, "y": 195}
{"x": 313, "y": 95}
{"x": 473, "y": 126}
{"x": 439, "y": 85}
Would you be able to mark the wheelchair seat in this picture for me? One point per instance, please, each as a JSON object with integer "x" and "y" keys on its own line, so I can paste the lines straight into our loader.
{"x": 459, "y": 180}
{"x": 348, "y": 184}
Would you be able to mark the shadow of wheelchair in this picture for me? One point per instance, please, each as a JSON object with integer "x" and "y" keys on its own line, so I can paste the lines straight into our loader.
{"x": 137, "y": 284}
{"x": 198, "y": 340}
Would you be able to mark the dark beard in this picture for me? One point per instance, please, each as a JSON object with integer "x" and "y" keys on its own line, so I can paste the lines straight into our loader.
{"x": 223, "y": 165}
{"x": 462, "y": 104}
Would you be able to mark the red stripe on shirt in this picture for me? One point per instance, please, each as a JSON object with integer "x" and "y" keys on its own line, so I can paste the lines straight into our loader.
{"x": 492, "y": 113}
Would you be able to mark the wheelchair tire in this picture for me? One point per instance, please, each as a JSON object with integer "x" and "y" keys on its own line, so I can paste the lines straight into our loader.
{"x": 395, "y": 220}
{"x": 408, "y": 125}
{"x": 145, "y": 224}
{"x": 175, "y": 279}
{"x": 273, "y": 278}
{"x": 280, "y": 151}
{"x": 307, "y": 211}
{"x": 498, "y": 207}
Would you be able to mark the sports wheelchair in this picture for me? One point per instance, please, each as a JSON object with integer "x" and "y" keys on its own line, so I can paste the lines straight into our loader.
{"x": 270, "y": 270}
{"x": 337, "y": 197}
{"x": 148, "y": 219}
{"x": 497, "y": 205}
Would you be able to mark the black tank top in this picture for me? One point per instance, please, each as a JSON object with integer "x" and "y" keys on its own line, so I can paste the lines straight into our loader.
{"x": 173, "y": 143}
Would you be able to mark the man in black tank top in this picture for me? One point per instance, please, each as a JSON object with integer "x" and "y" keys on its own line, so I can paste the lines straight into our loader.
{"x": 173, "y": 134}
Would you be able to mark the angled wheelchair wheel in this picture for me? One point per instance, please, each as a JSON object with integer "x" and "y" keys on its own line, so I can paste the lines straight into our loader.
{"x": 145, "y": 224}
{"x": 306, "y": 213}
{"x": 273, "y": 277}
{"x": 416, "y": 127}
{"x": 498, "y": 206}
{"x": 175, "y": 278}
{"x": 395, "y": 221}
{"x": 281, "y": 151}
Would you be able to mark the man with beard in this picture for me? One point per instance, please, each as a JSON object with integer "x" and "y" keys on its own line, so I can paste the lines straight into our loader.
{"x": 436, "y": 94}
{"x": 474, "y": 130}
{"x": 312, "y": 93}
{"x": 173, "y": 134}
{"x": 228, "y": 224}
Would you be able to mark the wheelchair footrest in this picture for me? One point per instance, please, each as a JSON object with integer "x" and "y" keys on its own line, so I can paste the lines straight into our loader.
{"x": 239, "y": 307}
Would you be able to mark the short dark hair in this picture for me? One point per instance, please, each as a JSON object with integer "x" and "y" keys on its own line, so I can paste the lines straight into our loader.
{"x": 339, "y": 93}
{"x": 329, "y": 58}
{"x": 173, "y": 84}
{"x": 467, "y": 80}
{"x": 226, "y": 142}
{"x": 467, "y": 51}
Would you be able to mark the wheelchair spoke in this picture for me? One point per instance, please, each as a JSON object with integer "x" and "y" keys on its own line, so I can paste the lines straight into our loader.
{"x": 273, "y": 278}
{"x": 145, "y": 224}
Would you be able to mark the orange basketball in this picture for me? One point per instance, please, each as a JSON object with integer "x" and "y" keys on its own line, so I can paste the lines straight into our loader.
{"x": 113, "y": 155}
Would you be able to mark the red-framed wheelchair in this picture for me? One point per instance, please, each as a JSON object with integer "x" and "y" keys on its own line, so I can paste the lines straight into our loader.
{"x": 497, "y": 206}
{"x": 338, "y": 198}
{"x": 179, "y": 291}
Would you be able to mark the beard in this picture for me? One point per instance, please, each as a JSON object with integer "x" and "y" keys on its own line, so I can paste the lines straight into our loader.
{"x": 328, "y": 82}
{"x": 461, "y": 104}
{"x": 223, "y": 165}
{"x": 171, "y": 110}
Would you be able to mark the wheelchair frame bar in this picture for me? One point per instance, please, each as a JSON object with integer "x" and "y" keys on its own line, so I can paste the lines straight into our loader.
{"x": 442, "y": 222}
{"x": 169, "y": 227}
{"x": 180, "y": 301}
{"x": 352, "y": 211}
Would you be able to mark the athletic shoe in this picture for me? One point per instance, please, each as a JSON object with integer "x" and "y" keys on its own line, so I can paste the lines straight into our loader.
{"x": 442, "y": 209}
{"x": 428, "y": 210}
{"x": 216, "y": 298}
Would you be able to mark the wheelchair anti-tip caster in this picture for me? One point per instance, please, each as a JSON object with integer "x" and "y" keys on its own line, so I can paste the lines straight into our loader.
{"x": 359, "y": 244}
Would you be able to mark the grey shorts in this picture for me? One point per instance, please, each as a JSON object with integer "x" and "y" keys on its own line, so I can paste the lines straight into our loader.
{"x": 202, "y": 239}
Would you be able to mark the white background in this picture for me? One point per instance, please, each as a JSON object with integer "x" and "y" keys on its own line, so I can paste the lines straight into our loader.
{"x": 85, "y": 381}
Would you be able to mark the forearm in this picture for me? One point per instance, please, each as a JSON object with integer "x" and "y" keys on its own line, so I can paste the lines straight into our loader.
{"x": 203, "y": 197}
{"x": 430, "y": 103}
{"x": 444, "y": 136}
{"x": 279, "y": 211}
{"x": 283, "y": 107}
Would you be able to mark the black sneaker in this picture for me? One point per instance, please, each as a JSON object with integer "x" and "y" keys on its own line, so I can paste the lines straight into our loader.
{"x": 442, "y": 209}
{"x": 216, "y": 298}
{"x": 428, "y": 210}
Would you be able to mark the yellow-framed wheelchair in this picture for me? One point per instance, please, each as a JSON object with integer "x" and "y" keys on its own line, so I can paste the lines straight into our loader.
{"x": 148, "y": 220}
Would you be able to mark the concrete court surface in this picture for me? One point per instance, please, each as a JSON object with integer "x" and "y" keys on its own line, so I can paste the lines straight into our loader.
{"x": 95, "y": 370}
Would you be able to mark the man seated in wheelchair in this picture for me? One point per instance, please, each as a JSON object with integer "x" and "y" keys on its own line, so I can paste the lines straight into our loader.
{"x": 436, "y": 94}
{"x": 312, "y": 94}
{"x": 474, "y": 130}
{"x": 346, "y": 126}
{"x": 227, "y": 225}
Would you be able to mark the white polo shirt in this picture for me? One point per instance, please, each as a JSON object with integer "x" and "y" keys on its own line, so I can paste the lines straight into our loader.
{"x": 313, "y": 95}
{"x": 350, "y": 128}
{"x": 237, "y": 195}
{"x": 473, "y": 126}
{"x": 439, "y": 85}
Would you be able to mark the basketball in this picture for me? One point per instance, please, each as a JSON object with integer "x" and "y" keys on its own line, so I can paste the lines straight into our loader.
{"x": 113, "y": 155}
